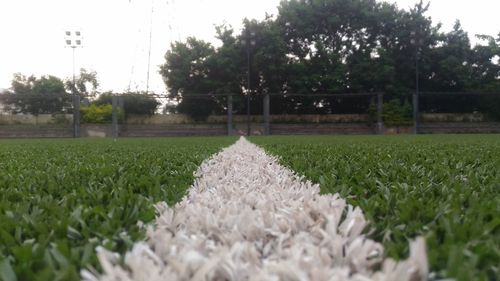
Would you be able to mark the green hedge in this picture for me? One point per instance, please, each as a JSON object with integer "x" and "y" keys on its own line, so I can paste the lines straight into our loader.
{"x": 99, "y": 114}
{"x": 394, "y": 113}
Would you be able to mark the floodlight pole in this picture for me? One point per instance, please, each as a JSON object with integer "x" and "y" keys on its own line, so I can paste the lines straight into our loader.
{"x": 417, "y": 41}
{"x": 249, "y": 41}
{"x": 248, "y": 91}
{"x": 415, "y": 97}
{"x": 229, "y": 114}
{"x": 114, "y": 115}
{"x": 266, "y": 113}
{"x": 76, "y": 102}
{"x": 74, "y": 79}
{"x": 380, "y": 109}
{"x": 73, "y": 40}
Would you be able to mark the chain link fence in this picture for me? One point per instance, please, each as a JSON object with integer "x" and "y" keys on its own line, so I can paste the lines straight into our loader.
{"x": 141, "y": 115}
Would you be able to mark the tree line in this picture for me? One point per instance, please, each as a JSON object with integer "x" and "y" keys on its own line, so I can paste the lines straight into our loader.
{"x": 329, "y": 46}
{"x": 49, "y": 94}
{"x": 310, "y": 47}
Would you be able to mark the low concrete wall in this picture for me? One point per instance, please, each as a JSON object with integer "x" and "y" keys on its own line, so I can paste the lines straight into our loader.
{"x": 460, "y": 128}
{"x": 222, "y": 119}
{"x": 317, "y": 118}
{"x": 452, "y": 117}
{"x": 280, "y": 125}
{"x": 25, "y": 131}
{"x": 48, "y": 131}
{"x": 305, "y": 118}
{"x": 398, "y": 130}
{"x": 158, "y": 119}
{"x": 322, "y": 129}
{"x": 96, "y": 130}
{"x": 42, "y": 119}
{"x": 28, "y": 131}
{"x": 172, "y": 130}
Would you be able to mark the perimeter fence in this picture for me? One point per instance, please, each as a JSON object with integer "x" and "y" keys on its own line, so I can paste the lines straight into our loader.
{"x": 236, "y": 114}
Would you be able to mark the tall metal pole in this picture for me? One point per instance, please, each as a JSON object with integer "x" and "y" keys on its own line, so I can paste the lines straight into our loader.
{"x": 415, "y": 95}
{"x": 249, "y": 90}
{"x": 248, "y": 42}
{"x": 74, "y": 79}
{"x": 76, "y": 103}
{"x": 418, "y": 42}
{"x": 73, "y": 40}
{"x": 149, "y": 52}
{"x": 266, "y": 114}
{"x": 380, "y": 121}
{"x": 230, "y": 115}
{"x": 114, "y": 115}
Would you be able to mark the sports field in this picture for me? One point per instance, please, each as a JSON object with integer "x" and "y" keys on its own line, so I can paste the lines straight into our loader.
{"x": 446, "y": 188}
{"x": 60, "y": 199}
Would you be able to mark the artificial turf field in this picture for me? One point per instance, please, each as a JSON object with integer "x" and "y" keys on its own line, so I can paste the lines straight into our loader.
{"x": 61, "y": 198}
{"x": 444, "y": 187}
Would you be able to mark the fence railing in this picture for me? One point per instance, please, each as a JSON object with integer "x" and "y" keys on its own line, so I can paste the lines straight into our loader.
{"x": 313, "y": 113}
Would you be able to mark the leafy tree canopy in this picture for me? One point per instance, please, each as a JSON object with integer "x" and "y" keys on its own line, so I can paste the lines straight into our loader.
{"x": 329, "y": 46}
{"x": 134, "y": 103}
{"x": 86, "y": 83}
{"x": 32, "y": 95}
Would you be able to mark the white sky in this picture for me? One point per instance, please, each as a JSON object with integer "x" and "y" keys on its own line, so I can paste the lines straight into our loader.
{"x": 116, "y": 32}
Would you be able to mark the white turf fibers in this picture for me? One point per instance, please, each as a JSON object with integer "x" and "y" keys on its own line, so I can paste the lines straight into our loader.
{"x": 248, "y": 218}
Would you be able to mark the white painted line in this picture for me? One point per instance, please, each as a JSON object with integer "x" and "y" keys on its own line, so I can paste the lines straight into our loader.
{"x": 248, "y": 218}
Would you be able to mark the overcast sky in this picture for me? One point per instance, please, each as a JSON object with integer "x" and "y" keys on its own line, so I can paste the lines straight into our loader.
{"x": 116, "y": 32}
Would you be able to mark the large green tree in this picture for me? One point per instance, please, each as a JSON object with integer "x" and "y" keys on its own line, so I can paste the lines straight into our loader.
{"x": 338, "y": 46}
{"x": 267, "y": 60}
{"x": 85, "y": 84}
{"x": 328, "y": 42}
{"x": 32, "y": 95}
{"x": 485, "y": 64}
{"x": 186, "y": 74}
{"x": 134, "y": 103}
{"x": 450, "y": 64}
{"x": 329, "y": 47}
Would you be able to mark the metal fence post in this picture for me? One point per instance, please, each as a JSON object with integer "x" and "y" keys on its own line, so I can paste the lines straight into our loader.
{"x": 380, "y": 106}
{"x": 230, "y": 115}
{"x": 415, "y": 113}
{"x": 121, "y": 103}
{"x": 76, "y": 116}
{"x": 416, "y": 94}
{"x": 114, "y": 115}
{"x": 266, "y": 113}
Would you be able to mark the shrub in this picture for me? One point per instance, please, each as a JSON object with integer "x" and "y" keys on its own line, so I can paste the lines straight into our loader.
{"x": 393, "y": 113}
{"x": 60, "y": 119}
{"x": 133, "y": 103}
{"x": 490, "y": 105}
{"x": 99, "y": 114}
